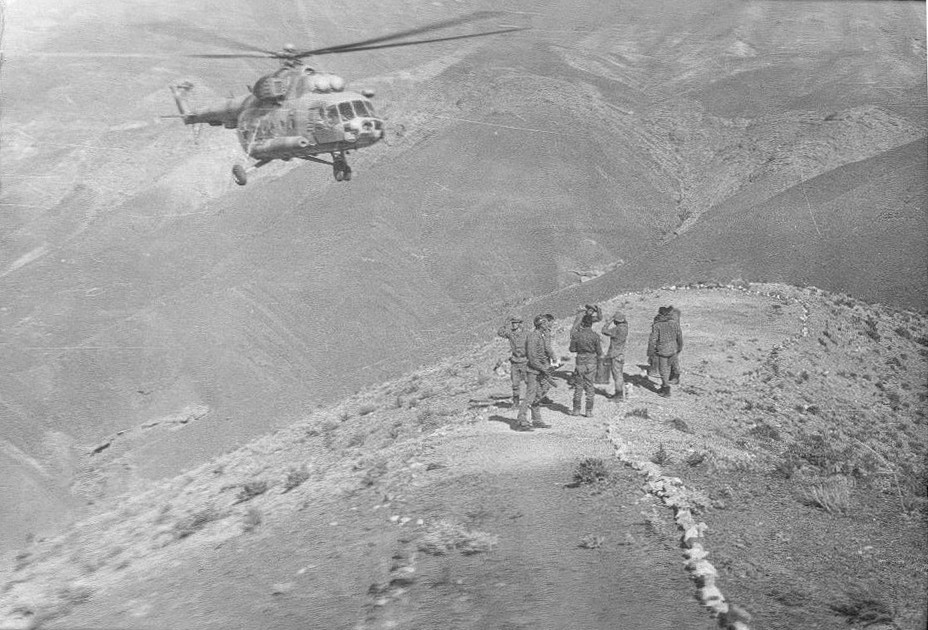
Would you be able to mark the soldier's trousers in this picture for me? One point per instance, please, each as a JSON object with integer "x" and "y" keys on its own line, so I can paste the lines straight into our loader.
{"x": 665, "y": 365}
{"x": 519, "y": 374}
{"x": 532, "y": 398}
{"x": 584, "y": 376}
{"x": 618, "y": 374}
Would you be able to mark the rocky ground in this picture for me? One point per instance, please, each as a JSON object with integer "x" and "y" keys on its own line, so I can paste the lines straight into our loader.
{"x": 789, "y": 466}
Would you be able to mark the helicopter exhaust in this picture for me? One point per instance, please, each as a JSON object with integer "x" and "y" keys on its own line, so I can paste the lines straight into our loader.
{"x": 278, "y": 148}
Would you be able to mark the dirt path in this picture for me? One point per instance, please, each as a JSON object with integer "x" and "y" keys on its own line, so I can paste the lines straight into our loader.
{"x": 567, "y": 557}
{"x": 358, "y": 563}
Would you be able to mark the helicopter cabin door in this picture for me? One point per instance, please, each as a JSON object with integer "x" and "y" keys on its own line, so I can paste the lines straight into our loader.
{"x": 327, "y": 124}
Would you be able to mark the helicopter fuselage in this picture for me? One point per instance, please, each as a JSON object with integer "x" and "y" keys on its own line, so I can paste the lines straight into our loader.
{"x": 294, "y": 112}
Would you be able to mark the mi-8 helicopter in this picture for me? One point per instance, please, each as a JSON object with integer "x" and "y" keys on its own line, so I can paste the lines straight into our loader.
{"x": 300, "y": 112}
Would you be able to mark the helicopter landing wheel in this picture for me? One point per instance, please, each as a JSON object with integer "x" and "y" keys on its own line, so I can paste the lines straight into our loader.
{"x": 239, "y": 175}
{"x": 339, "y": 175}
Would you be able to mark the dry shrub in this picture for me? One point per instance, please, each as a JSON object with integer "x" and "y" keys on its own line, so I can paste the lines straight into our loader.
{"x": 251, "y": 490}
{"x": 252, "y": 519}
{"x": 591, "y": 470}
{"x": 865, "y": 606}
{"x": 832, "y": 494}
{"x": 446, "y": 535}
{"x": 295, "y": 477}
{"x": 195, "y": 522}
{"x": 661, "y": 456}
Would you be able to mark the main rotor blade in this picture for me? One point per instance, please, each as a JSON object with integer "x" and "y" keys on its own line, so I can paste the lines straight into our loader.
{"x": 177, "y": 29}
{"x": 421, "y": 41}
{"x": 233, "y": 56}
{"x": 434, "y": 26}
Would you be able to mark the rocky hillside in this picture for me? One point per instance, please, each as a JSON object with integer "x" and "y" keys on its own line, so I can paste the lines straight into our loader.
{"x": 799, "y": 432}
{"x": 144, "y": 292}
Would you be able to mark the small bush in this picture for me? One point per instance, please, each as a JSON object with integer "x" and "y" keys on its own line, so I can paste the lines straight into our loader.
{"x": 661, "y": 456}
{"x": 590, "y": 470}
{"x": 865, "y": 607}
{"x": 446, "y": 535}
{"x": 252, "y": 519}
{"x": 195, "y": 522}
{"x": 904, "y": 332}
{"x": 639, "y": 412}
{"x": 832, "y": 495}
{"x": 591, "y": 541}
{"x": 295, "y": 477}
{"x": 696, "y": 458}
{"x": 766, "y": 431}
{"x": 680, "y": 425}
{"x": 251, "y": 490}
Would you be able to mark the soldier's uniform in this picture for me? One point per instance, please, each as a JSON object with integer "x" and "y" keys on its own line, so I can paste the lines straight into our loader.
{"x": 547, "y": 383}
{"x": 666, "y": 342}
{"x": 588, "y": 347}
{"x": 538, "y": 367}
{"x": 517, "y": 360}
{"x": 617, "y": 331}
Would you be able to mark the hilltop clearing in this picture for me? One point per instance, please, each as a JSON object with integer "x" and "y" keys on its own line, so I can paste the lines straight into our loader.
{"x": 162, "y": 315}
{"x": 799, "y": 433}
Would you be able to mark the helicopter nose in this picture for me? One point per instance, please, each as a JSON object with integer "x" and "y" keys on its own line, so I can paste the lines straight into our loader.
{"x": 370, "y": 127}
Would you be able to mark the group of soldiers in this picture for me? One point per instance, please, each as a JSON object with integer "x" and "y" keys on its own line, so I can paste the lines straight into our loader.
{"x": 533, "y": 360}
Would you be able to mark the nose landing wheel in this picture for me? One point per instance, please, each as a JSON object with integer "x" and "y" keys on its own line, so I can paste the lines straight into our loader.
{"x": 239, "y": 176}
{"x": 340, "y": 168}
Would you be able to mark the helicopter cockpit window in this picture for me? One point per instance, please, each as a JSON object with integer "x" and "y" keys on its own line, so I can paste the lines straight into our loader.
{"x": 345, "y": 110}
{"x": 363, "y": 109}
{"x": 331, "y": 115}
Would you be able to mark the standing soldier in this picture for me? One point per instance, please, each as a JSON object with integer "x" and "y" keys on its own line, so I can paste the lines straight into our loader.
{"x": 666, "y": 342}
{"x": 617, "y": 331}
{"x": 539, "y": 369}
{"x": 516, "y": 336}
{"x": 675, "y": 363}
{"x": 547, "y": 383}
{"x": 588, "y": 347}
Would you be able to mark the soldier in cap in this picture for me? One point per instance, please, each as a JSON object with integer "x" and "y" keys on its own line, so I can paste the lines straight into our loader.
{"x": 588, "y": 347}
{"x": 617, "y": 331}
{"x": 538, "y": 367}
{"x": 665, "y": 343}
{"x": 515, "y": 334}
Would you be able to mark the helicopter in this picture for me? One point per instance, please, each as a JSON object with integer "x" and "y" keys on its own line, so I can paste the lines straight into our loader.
{"x": 300, "y": 112}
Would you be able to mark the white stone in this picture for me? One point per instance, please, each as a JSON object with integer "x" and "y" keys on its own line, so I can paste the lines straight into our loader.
{"x": 696, "y": 552}
{"x": 704, "y": 570}
{"x": 710, "y": 593}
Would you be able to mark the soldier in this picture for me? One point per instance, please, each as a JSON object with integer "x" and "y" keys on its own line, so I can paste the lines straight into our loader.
{"x": 617, "y": 331}
{"x": 588, "y": 347}
{"x": 666, "y": 342}
{"x": 546, "y": 384}
{"x": 516, "y": 336}
{"x": 539, "y": 369}
{"x": 675, "y": 363}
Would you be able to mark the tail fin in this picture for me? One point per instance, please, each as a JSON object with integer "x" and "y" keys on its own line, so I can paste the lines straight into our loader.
{"x": 180, "y": 92}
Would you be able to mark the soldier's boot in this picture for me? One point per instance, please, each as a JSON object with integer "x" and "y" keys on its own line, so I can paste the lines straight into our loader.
{"x": 522, "y": 424}
{"x": 619, "y": 393}
{"x": 576, "y": 411}
{"x": 589, "y": 410}
{"x": 664, "y": 391}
